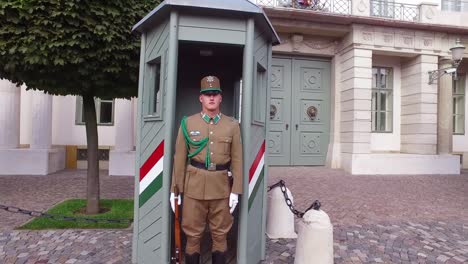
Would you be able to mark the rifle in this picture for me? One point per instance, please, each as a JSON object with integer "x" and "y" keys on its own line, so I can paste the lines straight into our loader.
{"x": 177, "y": 259}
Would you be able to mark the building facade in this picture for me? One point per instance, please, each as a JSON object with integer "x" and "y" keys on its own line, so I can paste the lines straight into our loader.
{"x": 350, "y": 89}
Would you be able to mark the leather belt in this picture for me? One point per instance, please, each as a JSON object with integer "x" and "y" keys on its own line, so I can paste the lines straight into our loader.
{"x": 211, "y": 167}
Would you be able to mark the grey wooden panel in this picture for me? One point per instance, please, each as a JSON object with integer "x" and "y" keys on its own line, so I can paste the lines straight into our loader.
{"x": 254, "y": 233}
{"x": 226, "y": 23}
{"x": 262, "y": 55}
{"x": 158, "y": 49}
{"x": 211, "y": 35}
{"x": 152, "y": 35}
{"x": 157, "y": 38}
{"x": 149, "y": 137}
{"x": 279, "y": 134}
{"x": 153, "y": 143}
{"x": 260, "y": 42}
{"x": 152, "y": 205}
{"x": 146, "y": 128}
{"x": 152, "y": 229}
{"x": 150, "y": 250}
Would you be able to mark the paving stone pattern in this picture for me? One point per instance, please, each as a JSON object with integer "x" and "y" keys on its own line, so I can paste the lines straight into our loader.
{"x": 377, "y": 219}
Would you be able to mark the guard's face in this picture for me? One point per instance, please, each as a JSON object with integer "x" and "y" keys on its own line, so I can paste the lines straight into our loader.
{"x": 210, "y": 101}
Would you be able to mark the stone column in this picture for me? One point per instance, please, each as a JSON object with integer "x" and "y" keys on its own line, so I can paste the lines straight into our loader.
{"x": 124, "y": 136}
{"x": 10, "y": 97}
{"x": 445, "y": 111}
{"x": 41, "y": 120}
{"x": 356, "y": 97}
{"x": 418, "y": 106}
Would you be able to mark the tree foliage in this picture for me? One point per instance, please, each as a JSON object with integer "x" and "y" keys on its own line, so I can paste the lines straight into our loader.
{"x": 72, "y": 47}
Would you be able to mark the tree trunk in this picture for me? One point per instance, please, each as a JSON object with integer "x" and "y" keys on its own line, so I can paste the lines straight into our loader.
{"x": 92, "y": 192}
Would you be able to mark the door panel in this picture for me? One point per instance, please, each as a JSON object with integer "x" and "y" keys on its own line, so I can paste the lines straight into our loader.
{"x": 310, "y": 112}
{"x": 279, "y": 136}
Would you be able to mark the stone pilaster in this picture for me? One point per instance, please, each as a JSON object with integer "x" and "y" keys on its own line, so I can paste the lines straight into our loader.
{"x": 41, "y": 120}
{"x": 445, "y": 111}
{"x": 356, "y": 97}
{"x": 9, "y": 115}
{"x": 418, "y": 106}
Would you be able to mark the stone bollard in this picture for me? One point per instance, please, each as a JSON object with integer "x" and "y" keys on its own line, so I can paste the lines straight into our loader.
{"x": 315, "y": 239}
{"x": 280, "y": 220}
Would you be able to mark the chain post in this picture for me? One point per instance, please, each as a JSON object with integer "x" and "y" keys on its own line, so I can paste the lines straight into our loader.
{"x": 315, "y": 205}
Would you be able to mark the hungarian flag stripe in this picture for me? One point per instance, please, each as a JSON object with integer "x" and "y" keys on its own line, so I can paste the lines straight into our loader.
{"x": 151, "y": 174}
{"x": 256, "y": 173}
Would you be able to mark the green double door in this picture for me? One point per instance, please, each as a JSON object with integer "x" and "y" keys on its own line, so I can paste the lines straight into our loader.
{"x": 299, "y": 112}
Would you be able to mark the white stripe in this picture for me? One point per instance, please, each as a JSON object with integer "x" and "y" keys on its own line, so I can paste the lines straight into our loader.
{"x": 258, "y": 170}
{"x": 152, "y": 175}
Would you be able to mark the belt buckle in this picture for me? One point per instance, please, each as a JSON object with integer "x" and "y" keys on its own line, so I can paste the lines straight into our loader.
{"x": 212, "y": 167}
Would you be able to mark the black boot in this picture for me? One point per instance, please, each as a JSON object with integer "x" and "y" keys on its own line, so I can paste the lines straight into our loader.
{"x": 192, "y": 258}
{"x": 218, "y": 257}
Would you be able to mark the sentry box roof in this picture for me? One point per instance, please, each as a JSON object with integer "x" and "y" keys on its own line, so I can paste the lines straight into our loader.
{"x": 217, "y": 6}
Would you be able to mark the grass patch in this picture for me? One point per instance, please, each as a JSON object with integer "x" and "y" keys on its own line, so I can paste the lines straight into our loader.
{"x": 113, "y": 209}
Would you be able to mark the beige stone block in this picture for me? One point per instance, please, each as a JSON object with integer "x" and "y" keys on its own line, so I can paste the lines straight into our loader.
{"x": 357, "y": 137}
{"x": 419, "y": 119}
{"x": 418, "y": 88}
{"x": 418, "y": 69}
{"x": 428, "y": 98}
{"x": 353, "y": 105}
{"x": 419, "y": 108}
{"x": 365, "y": 94}
{"x": 419, "y": 149}
{"x": 418, "y": 60}
{"x": 361, "y": 83}
{"x": 356, "y": 72}
{"x": 356, "y": 126}
{"x": 416, "y": 129}
{"x": 419, "y": 139}
{"x": 355, "y": 148}
{"x": 366, "y": 53}
{"x": 364, "y": 62}
{"x": 356, "y": 115}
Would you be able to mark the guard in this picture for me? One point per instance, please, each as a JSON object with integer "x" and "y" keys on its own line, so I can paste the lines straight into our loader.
{"x": 208, "y": 145}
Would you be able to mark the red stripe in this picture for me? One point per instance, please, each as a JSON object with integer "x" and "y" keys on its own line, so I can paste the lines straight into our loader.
{"x": 152, "y": 160}
{"x": 256, "y": 161}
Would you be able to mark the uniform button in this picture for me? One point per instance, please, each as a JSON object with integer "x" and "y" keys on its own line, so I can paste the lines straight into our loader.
{"x": 211, "y": 132}
{"x": 211, "y": 142}
{"x": 211, "y": 153}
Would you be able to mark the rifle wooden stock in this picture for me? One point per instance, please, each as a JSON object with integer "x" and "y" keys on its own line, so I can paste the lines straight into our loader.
{"x": 177, "y": 233}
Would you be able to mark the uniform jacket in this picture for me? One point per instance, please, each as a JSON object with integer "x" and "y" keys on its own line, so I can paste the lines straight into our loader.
{"x": 225, "y": 146}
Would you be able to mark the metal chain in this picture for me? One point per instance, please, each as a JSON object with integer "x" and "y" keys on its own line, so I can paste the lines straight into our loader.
{"x": 13, "y": 209}
{"x": 315, "y": 205}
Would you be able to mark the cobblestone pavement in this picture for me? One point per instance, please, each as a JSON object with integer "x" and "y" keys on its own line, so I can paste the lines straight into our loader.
{"x": 377, "y": 219}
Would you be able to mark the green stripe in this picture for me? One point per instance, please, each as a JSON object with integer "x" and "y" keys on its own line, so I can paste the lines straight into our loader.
{"x": 257, "y": 186}
{"x": 152, "y": 189}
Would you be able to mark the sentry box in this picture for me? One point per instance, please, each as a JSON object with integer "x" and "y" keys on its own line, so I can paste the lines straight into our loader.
{"x": 181, "y": 42}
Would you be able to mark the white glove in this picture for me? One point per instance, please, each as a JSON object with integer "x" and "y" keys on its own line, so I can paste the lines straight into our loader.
{"x": 233, "y": 201}
{"x": 172, "y": 198}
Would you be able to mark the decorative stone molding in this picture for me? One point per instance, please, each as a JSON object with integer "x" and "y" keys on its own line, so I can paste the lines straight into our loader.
{"x": 307, "y": 45}
{"x": 404, "y": 40}
{"x": 296, "y": 41}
